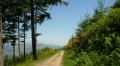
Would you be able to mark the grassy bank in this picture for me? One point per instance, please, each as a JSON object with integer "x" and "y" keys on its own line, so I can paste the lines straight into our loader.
{"x": 42, "y": 55}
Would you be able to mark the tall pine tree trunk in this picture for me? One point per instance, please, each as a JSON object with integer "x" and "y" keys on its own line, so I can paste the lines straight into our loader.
{"x": 35, "y": 25}
{"x": 13, "y": 42}
{"x": 19, "y": 36}
{"x": 1, "y": 50}
{"x": 24, "y": 36}
{"x": 33, "y": 32}
{"x": 14, "y": 54}
{"x": 24, "y": 43}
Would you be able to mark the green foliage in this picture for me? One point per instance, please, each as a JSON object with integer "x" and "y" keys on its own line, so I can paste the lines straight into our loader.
{"x": 114, "y": 21}
{"x": 115, "y": 57}
{"x": 116, "y": 4}
{"x": 68, "y": 58}
{"x": 117, "y": 41}
{"x": 83, "y": 59}
{"x": 98, "y": 38}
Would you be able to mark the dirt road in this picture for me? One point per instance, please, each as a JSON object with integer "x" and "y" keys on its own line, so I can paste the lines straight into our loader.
{"x": 55, "y": 60}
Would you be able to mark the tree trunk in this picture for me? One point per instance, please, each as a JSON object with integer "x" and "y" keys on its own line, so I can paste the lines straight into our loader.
{"x": 24, "y": 44}
{"x": 35, "y": 28}
{"x": 24, "y": 37}
{"x": 13, "y": 42}
{"x": 35, "y": 25}
{"x": 33, "y": 32}
{"x": 19, "y": 36}
{"x": 14, "y": 54}
{"x": 1, "y": 50}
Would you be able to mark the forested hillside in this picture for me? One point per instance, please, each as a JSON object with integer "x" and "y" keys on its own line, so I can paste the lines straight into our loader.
{"x": 97, "y": 39}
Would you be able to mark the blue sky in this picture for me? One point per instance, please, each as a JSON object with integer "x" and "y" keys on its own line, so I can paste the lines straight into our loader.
{"x": 64, "y": 20}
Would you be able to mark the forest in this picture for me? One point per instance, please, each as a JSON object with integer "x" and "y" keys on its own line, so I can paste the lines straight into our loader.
{"x": 96, "y": 41}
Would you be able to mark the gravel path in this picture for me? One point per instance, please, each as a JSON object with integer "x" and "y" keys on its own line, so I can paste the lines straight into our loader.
{"x": 55, "y": 60}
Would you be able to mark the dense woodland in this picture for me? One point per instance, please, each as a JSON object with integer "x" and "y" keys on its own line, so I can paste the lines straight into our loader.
{"x": 97, "y": 39}
{"x": 17, "y": 17}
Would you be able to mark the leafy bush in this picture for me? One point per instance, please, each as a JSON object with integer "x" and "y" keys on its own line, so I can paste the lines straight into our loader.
{"x": 68, "y": 59}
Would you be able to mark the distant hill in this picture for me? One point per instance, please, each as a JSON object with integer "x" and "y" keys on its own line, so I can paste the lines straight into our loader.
{"x": 8, "y": 49}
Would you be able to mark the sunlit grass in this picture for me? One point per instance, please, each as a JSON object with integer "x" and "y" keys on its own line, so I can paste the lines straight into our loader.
{"x": 41, "y": 56}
